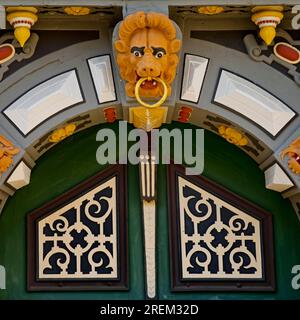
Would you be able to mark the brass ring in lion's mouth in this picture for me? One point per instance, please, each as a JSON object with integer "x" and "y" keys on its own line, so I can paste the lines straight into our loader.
{"x": 157, "y": 104}
{"x": 150, "y": 83}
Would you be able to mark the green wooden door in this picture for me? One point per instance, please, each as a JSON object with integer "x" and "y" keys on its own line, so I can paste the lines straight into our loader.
{"x": 73, "y": 161}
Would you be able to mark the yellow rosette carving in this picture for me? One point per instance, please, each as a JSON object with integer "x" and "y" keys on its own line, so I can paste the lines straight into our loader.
{"x": 233, "y": 136}
{"x": 62, "y": 133}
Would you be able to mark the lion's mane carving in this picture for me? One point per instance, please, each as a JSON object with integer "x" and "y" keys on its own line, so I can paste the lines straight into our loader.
{"x": 147, "y": 48}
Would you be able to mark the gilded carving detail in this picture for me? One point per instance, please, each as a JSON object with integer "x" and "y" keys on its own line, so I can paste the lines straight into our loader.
{"x": 147, "y": 48}
{"x": 233, "y": 136}
{"x": 210, "y": 10}
{"x": 62, "y": 133}
{"x": 293, "y": 154}
{"x": 22, "y": 19}
{"x": 77, "y": 11}
{"x": 267, "y": 18}
{"x": 7, "y": 152}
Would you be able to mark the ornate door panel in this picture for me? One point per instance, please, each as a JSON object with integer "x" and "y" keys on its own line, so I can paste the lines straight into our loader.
{"x": 219, "y": 241}
{"x": 78, "y": 240}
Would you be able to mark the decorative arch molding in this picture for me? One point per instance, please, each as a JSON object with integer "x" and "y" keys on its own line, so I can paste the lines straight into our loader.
{"x": 90, "y": 69}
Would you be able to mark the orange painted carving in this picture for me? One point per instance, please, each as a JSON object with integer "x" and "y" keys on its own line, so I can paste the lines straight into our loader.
{"x": 7, "y": 151}
{"x": 147, "y": 48}
{"x": 110, "y": 115}
{"x": 185, "y": 114}
{"x": 293, "y": 153}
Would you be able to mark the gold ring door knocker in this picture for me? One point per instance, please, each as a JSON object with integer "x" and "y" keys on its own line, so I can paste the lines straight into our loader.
{"x": 147, "y": 105}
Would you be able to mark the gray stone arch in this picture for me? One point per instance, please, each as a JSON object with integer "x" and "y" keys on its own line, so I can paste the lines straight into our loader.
{"x": 78, "y": 83}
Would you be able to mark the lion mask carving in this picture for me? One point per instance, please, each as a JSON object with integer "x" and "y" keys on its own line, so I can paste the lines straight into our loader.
{"x": 147, "y": 48}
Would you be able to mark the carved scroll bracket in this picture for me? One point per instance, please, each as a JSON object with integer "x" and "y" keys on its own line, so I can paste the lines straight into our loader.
{"x": 258, "y": 52}
{"x": 21, "y": 53}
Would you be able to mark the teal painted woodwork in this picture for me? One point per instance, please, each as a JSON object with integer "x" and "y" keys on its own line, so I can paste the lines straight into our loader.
{"x": 74, "y": 160}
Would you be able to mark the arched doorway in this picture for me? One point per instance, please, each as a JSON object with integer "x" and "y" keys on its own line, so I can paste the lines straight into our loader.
{"x": 58, "y": 171}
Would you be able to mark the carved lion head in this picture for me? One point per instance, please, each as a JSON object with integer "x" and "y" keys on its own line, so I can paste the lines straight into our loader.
{"x": 147, "y": 48}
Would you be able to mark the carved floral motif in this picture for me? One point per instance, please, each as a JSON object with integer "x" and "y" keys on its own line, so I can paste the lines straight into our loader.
{"x": 110, "y": 114}
{"x": 184, "y": 114}
{"x": 62, "y": 133}
{"x": 7, "y": 152}
{"x": 233, "y": 136}
{"x": 293, "y": 154}
{"x": 210, "y": 10}
{"x": 77, "y": 11}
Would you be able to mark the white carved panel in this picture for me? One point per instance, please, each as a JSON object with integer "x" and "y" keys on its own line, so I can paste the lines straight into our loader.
{"x": 103, "y": 78}
{"x": 218, "y": 240}
{"x": 253, "y": 102}
{"x": 20, "y": 176}
{"x": 149, "y": 208}
{"x": 194, "y": 74}
{"x": 276, "y": 179}
{"x": 79, "y": 240}
{"x": 44, "y": 101}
